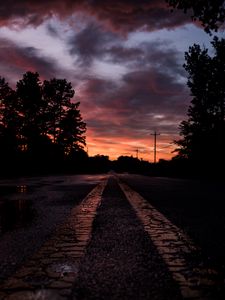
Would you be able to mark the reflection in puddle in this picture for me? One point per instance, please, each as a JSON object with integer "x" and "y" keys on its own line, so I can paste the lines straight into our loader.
{"x": 13, "y": 189}
{"x": 65, "y": 268}
{"x": 15, "y": 213}
{"x": 21, "y": 188}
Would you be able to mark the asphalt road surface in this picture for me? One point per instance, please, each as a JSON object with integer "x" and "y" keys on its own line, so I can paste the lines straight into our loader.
{"x": 30, "y": 211}
{"x": 135, "y": 237}
{"x": 195, "y": 206}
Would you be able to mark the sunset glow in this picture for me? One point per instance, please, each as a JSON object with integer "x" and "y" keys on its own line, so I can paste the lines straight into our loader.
{"x": 124, "y": 63}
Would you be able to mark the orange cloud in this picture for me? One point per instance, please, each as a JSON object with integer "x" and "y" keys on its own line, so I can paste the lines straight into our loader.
{"x": 117, "y": 146}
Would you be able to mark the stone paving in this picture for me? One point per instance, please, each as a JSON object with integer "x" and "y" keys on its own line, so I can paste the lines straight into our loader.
{"x": 178, "y": 251}
{"x": 51, "y": 273}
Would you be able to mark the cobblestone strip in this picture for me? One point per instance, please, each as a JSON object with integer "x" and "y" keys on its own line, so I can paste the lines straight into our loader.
{"x": 195, "y": 280}
{"x": 51, "y": 272}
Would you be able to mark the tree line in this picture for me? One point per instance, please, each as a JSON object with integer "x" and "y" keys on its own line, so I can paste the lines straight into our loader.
{"x": 203, "y": 133}
{"x": 202, "y": 142}
{"x": 40, "y": 124}
{"x": 210, "y": 14}
{"x": 41, "y": 127}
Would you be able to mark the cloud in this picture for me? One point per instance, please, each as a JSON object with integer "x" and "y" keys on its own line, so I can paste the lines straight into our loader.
{"x": 138, "y": 87}
{"x": 52, "y": 30}
{"x": 142, "y": 101}
{"x": 91, "y": 43}
{"x": 131, "y": 15}
{"x": 16, "y": 60}
{"x": 163, "y": 56}
{"x": 124, "y": 15}
{"x": 95, "y": 43}
{"x": 120, "y": 54}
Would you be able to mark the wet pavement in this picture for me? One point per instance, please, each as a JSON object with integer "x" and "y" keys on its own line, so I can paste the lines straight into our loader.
{"x": 52, "y": 271}
{"x": 195, "y": 206}
{"x": 195, "y": 279}
{"x": 53, "y": 245}
{"x": 31, "y": 209}
{"x": 121, "y": 261}
{"x": 16, "y": 213}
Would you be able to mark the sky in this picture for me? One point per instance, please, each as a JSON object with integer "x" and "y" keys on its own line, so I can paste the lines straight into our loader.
{"x": 124, "y": 59}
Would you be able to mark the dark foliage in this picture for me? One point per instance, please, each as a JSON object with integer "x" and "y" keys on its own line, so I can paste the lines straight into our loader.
{"x": 40, "y": 127}
{"x": 203, "y": 134}
{"x": 210, "y": 13}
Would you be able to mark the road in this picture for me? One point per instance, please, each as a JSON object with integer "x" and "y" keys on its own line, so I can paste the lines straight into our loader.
{"x": 31, "y": 209}
{"x": 112, "y": 236}
{"x": 195, "y": 206}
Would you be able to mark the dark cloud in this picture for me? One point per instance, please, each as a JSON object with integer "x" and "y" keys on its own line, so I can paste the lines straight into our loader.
{"x": 52, "y": 30}
{"x": 123, "y": 15}
{"x": 148, "y": 94}
{"x": 132, "y": 15}
{"x": 16, "y": 60}
{"x": 155, "y": 78}
{"x": 121, "y": 54}
{"x": 162, "y": 56}
{"x": 142, "y": 101}
{"x": 97, "y": 86}
{"x": 94, "y": 42}
{"x": 90, "y": 43}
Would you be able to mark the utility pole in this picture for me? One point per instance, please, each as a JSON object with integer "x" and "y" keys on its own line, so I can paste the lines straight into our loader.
{"x": 155, "y": 135}
{"x": 137, "y": 153}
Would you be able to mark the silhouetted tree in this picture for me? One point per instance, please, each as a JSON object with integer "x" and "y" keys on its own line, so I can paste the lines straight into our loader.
{"x": 99, "y": 163}
{"x": 77, "y": 161}
{"x": 128, "y": 164}
{"x": 71, "y": 136}
{"x": 9, "y": 121}
{"x": 29, "y": 103}
{"x": 58, "y": 94}
{"x": 39, "y": 124}
{"x": 204, "y": 131}
{"x": 211, "y": 13}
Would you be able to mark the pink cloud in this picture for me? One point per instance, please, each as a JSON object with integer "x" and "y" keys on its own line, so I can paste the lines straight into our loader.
{"x": 121, "y": 15}
{"x": 16, "y": 60}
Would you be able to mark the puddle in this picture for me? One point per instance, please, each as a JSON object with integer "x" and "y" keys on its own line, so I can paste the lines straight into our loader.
{"x": 15, "y": 214}
{"x": 64, "y": 268}
{"x": 13, "y": 189}
{"x": 42, "y": 294}
{"x": 21, "y": 188}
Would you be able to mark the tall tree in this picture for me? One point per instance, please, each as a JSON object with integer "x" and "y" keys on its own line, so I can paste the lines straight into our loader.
{"x": 58, "y": 94}
{"x": 9, "y": 120}
{"x": 39, "y": 123}
{"x": 203, "y": 134}
{"x": 29, "y": 97}
{"x": 211, "y": 13}
{"x": 71, "y": 137}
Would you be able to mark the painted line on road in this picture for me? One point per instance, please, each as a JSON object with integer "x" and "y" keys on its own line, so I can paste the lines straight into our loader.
{"x": 176, "y": 248}
{"x": 52, "y": 271}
